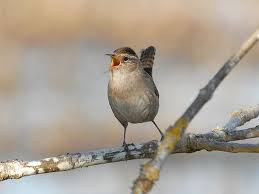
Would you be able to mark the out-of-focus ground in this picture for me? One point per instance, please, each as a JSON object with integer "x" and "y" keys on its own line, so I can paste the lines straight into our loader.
{"x": 53, "y": 82}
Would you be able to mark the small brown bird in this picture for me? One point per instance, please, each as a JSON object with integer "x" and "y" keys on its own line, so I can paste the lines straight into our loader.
{"x": 132, "y": 93}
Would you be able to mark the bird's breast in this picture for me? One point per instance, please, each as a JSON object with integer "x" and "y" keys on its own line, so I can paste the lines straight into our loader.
{"x": 132, "y": 98}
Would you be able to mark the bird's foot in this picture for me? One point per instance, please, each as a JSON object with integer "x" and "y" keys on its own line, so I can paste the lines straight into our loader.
{"x": 131, "y": 144}
{"x": 126, "y": 148}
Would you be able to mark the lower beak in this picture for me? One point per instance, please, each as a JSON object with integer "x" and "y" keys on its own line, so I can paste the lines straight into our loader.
{"x": 115, "y": 62}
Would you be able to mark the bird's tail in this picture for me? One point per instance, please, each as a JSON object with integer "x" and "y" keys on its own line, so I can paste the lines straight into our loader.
{"x": 147, "y": 57}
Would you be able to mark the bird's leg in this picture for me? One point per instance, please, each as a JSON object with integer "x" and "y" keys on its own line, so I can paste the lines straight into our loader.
{"x": 124, "y": 144}
{"x": 161, "y": 133}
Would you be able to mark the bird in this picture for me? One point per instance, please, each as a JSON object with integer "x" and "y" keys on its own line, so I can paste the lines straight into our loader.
{"x": 132, "y": 93}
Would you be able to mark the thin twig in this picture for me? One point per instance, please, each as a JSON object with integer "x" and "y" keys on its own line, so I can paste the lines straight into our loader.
{"x": 227, "y": 147}
{"x": 211, "y": 141}
{"x": 242, "y": 116}
{"x": 149, "y": 172}
{"x": 231, "y": 135}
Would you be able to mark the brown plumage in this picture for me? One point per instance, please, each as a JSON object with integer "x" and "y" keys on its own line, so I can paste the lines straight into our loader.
{"x": 125, "y": 50}
{"x": 132, "y": 93}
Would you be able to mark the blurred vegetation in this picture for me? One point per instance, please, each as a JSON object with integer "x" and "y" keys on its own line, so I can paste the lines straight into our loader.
{"x": 186, "y": 27}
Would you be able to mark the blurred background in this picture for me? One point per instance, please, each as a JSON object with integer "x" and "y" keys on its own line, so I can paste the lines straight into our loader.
{"x": 53, "y": 85}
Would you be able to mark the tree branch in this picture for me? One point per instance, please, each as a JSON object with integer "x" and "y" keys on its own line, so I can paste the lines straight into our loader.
{"x": 212, "y": 141}
{"x": 149, "y": 172}
{"x": 232, "y": 135}
{"x": 227, "y": 147}
{"x": 242, "y": 116}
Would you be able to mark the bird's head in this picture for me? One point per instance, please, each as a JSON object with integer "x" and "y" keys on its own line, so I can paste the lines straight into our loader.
{"x": 123, "y": 58}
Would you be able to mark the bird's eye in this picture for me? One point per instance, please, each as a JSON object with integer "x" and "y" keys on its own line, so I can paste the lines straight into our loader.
{"x": 125, "y": 58}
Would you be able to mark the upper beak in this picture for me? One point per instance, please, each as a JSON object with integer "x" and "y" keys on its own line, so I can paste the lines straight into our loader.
{"x": 111, "y": 55}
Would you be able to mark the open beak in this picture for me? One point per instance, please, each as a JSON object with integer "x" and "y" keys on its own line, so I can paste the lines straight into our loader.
{"x": 115, "y": 61}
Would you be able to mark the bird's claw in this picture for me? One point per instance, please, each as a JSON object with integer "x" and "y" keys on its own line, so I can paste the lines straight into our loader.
{"x": 126, "y": 148}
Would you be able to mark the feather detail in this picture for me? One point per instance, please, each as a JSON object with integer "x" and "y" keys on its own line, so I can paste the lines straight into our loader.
{"x": 147, "y": 57}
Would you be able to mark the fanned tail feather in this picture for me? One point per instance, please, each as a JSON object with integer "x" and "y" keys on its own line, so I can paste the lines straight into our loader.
{"x": 147, "y": 57}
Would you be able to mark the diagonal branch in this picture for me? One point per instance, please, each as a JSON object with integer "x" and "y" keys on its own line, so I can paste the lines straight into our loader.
{"x": 149, "y": 172}
{"x": 212, "y": 141}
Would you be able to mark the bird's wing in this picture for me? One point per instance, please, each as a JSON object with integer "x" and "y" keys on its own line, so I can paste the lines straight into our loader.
{"x": 147, "y": 57}
{"x": 150, "y": 82}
